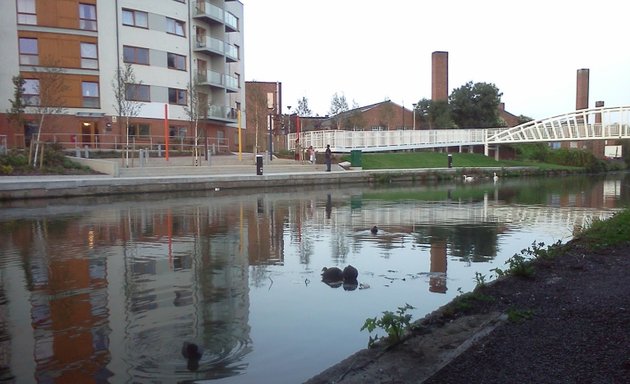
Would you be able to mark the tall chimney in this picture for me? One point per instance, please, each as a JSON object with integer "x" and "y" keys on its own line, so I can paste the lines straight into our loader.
{"x": 439, "y": 73}
{"x": 581, "y": 99}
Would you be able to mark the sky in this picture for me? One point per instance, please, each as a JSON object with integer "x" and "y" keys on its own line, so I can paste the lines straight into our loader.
{"x": 370, "y": 51}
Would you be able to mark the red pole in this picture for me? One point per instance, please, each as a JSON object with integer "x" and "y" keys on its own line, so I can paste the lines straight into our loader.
{"x": 166, "y": 135}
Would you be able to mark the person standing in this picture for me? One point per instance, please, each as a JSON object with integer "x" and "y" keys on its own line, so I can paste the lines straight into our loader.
{"x": 328, "y": 157}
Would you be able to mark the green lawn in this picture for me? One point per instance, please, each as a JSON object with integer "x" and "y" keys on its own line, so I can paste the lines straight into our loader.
{"x": 440, "y": 160}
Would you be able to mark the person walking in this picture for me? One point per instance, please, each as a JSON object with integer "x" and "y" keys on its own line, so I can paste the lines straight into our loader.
{"x": 328, "y": 157}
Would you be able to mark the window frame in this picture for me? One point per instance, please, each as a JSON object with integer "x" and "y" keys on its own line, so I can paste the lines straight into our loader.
{"x": 24, "y": 53}
{"x": 175, "y": 96}
{"x": 174, "y": 57}
{"x": 26, "y": 16}
{"x": 86, "y": 22}
{"x": 174, "y": 23}
{"x": 132, "y": 93}
{"x": 89, "y": 59}
{"x": 136, "y": 56}
{"x": 90, "y": 101}
{"x": 134, "y": 13}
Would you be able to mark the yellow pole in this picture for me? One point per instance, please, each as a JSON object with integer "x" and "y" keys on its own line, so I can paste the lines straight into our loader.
{"x": 240, "y": 142}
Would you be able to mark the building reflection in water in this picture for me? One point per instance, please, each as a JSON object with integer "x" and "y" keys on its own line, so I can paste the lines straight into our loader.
{"x": 115, "y": 290}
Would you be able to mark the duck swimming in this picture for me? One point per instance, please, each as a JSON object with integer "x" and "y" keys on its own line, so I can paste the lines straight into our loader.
{"x": 374, "y": 230}
{"x": 192, "y": 352}
{"x": 332, "y": 275}
{"x": 350, "y": 273}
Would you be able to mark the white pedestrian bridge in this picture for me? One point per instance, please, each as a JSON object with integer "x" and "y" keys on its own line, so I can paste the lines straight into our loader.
{"x": 601, "y": 123}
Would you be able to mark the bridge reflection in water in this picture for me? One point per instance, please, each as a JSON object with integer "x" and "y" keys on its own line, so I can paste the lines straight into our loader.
{"x": 107, "y": 289}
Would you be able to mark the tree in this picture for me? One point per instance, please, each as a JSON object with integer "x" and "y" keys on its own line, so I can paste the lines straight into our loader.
{"x": 386, "y": 113}
{"x": 50, "y": 88}
{"x": 302, "y": 109}
{"x": 435, "y": 113}
{"x": 338, "y": 105}
{"x": 196, "y": 109}
{"x": 258, "y": 113}
{"x": 475, "y": 105}
{"x": 125, "y": 87}
{"x": 18, "y": 104}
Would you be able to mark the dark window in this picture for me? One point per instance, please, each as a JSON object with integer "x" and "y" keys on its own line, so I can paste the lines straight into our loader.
{"x": 176, "y": 61}
{"x": 177, "y": 96}
{"x": 135, "y": 55}
{"x": 139, "y": 129}
{"x": 138, "y": 92}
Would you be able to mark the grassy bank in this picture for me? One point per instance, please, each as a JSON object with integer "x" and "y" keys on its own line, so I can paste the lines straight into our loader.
{"x": 409, "y": 160}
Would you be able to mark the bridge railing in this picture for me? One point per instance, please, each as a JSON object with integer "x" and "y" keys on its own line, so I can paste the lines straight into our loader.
{"x": 373, "y": 141}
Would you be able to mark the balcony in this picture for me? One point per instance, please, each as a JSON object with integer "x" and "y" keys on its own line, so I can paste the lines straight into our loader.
{"x": 231, "y": 22}
{"x": 208, "y": 13}
{"x": 211, "y": 14}
{"x": 218, "y": 80}
{"x": 211, "y": 46}
{"x": 222, "y": 113}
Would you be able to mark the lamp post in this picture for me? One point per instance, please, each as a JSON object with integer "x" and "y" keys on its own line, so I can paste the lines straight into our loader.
{"x": 289, "y": 108}
{"x": 270, "y": 126}
{"x": 414, "y": 115}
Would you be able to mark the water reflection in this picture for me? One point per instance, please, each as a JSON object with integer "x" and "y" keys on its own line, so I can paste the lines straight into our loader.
{"x": 109, "y": 289}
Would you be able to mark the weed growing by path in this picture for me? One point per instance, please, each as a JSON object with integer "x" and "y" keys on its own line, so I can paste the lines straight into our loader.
{"x": 393, "y": 323}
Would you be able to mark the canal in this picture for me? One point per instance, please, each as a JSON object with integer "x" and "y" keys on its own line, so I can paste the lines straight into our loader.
{"x": 107, "y": 289}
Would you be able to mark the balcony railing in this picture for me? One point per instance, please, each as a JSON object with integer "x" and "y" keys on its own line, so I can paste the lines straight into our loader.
{"x": 223, "y": 113}
{"x": 208, "y": 12}
{"x": 231, "y": 22}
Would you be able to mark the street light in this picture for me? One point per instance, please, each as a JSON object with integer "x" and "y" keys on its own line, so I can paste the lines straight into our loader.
{"x": 289, "y": 108}
{"x": 414, "y": 115}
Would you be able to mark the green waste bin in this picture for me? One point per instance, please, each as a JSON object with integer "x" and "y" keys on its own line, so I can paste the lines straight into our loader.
{"x": 355, "y": 159}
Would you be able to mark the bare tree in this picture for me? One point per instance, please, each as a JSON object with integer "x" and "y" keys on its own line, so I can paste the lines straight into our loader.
{"x": 257, "y": 105}
{"x": 196, "y": 109}
{"x": 50, "y": 87}
{"x": 302, "y": 109}
{"x": 125, "y": 87}
{"x": 338, "y": 105}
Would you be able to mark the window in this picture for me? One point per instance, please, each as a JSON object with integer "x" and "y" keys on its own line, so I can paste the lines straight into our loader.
{"x": 89, "y": 91}
{"x": 175, "y": 61}
{"x": 30, "y": 94}
{"x": 28, "y": 51}
{"x": 175, "y": 27}
{"x": 139, "y": 129}
{"x": 135, "y": 55}
{"x": 26, "y": 13}
{"x": 177, "y": 96}
{"x": 89, "y": 56}
{"x": 135, "y": 18}
{"x": 138, "y": 92}
{"x": 87, "y": 17}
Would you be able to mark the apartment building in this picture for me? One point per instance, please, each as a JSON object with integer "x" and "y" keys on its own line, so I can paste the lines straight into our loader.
{"x": 171, "y": 46}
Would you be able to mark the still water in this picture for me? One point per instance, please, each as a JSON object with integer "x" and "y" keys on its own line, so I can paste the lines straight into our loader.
{"x": 107, "y": 289}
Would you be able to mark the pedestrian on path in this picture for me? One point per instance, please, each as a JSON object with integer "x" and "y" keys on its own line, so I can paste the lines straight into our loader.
{"x": 328, "y": 157}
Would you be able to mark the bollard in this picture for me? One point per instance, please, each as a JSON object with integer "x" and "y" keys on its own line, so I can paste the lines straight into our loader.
{"x": 159, "y": 150}
{"x": 87, "y": 153}
{"x": 141, "y": 156}
{"x": 78, "y": 152}
{"x": 450, "y": 160}
{"x": 259, "y": 164}
{"x": 209, "y": 156}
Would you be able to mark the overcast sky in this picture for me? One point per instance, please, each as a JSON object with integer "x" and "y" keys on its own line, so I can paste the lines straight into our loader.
{"x": 369, "y": 51}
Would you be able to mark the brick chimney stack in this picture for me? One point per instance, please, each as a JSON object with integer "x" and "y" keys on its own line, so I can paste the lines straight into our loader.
{"x": 581, "y": 99}
{"x": 439, "y": 76}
